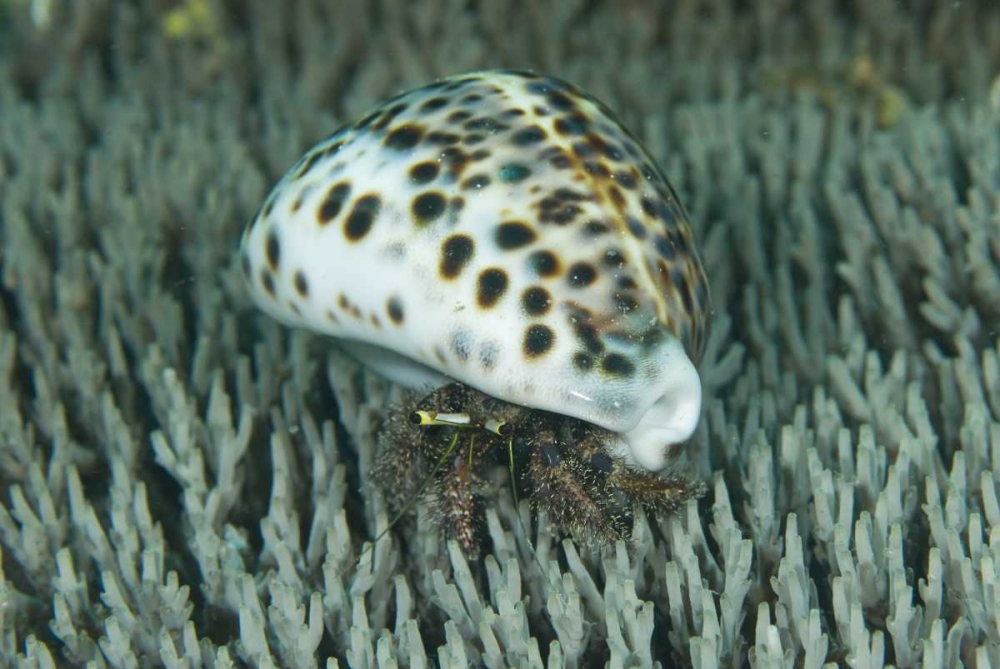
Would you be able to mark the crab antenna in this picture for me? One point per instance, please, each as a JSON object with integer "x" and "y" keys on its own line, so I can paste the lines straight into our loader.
{"x": 472, "y": 446}
{"x": 412, "y": 502}
{"x": 513, "y": 477}
{"x": 517, "y": 506}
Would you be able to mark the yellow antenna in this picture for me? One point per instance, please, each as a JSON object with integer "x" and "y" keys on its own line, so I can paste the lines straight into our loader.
{"x": 426, "y": 418}
{"x": 410, "y": 504}
{"x": 517, "y": 505}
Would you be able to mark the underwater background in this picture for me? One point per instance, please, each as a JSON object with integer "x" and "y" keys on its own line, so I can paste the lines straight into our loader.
{"x": 186, "y": 483}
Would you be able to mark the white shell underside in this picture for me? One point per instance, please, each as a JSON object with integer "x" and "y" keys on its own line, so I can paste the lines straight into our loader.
{"x": 395, "y": 367}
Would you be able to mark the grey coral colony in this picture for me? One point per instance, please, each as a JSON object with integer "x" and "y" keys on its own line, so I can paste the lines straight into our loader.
{"x": 498, "y": 243}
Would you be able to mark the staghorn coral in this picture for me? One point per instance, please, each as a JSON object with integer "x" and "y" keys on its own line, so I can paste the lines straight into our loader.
{"x": 185, "y": 484}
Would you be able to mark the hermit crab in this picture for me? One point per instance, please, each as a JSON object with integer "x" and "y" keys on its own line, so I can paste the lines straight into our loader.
{"x": 501, "y": 245}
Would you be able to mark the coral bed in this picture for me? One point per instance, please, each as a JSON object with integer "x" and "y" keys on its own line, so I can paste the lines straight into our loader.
{"x": 186, "y": 484}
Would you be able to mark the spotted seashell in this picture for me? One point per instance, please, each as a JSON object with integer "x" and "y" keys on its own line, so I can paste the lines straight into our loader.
{"x": 502, "y": 229}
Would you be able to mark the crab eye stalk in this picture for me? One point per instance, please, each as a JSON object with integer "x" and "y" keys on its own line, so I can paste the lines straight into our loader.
{"x": 499, "y": 427}
{"x": 425, "y": 418}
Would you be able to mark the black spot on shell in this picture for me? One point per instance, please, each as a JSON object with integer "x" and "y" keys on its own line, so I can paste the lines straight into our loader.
{"x": 267, "y": 281}
{"x": 491, "y": 287}
{"x": 528, "y": 136}
{"x": 596, "y": 169}
{"x": 607, "y": 149}
{"x": 301, "y": 285}
{"x": 485, "y": 124}
{"x": 442, "y": 138}
{"x": 665, "y": 248}
{"x": 391, "y": 113}
{"x": 583, "y": 361}
{"x": 560, "y": 101}
{"x": 308, "y": 164}
{"x": 272, "y": 249}
{"x": 455, "y": 160}
{"x": 561, "y": 216}
{"x": 616, "y": 364}
{"x": 489, "y": 352}
{"x": 544, "y": 263}
{"x": 543, "y": 87}
{"x": 424, "y": 173}
{"x": 433, "y": 104}
{"x": 614, "y": 258}
{"x": 333, "y": 202}
{"x": 431, "y": 87}
{"x": 559, "y": 207}
{"x": 361, "y": 218}
{"x": 428, "y": 207}
{"x": 456, "y": 252}
{"x": 572, "y": 124}
{"x": 394, "y": 307}
{"x": 404, "y": 137}
{"x": 625, "y": 179}
{"x": 514, "y": 235}
{"x": 559, "y": 160}
{"x": 333, "y": 149}
{"x": 368, "y": 120}
{"x": 536, "y": 301}
{"x": 513, "y": 173}
{"x": 588, "y": 336}
{"x": 666, "y": 214}
{"x": 583, "y": 150}
{"x": 475, "y": 182}
{"x": 568, "y": 195}
{"x": 461, "y": 344}
{"x": 625, "y": 302}
{"x": 683, "y": 287}
{"x": 636, "y": 227}
{"x": 459, "y": 115}
{"x": 456, "y": 84}
{"x": 538, "y": 339}
{"x": 581, "y": 274}
{"x": 648, "y": 206}
{"x": 245, "y": 265}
